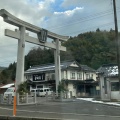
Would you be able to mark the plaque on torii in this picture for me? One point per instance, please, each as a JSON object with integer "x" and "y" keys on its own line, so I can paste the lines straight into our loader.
{"x": 23, "y": 37}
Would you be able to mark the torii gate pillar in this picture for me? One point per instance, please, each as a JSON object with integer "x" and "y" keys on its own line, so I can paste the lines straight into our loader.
{"x": 57, "y": 64}
{"x": 20, "y": 58}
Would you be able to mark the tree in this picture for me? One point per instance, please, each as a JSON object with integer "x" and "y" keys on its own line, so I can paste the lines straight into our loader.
{"x": 39, "y": 56}
{"x": 61, "y": 87}
{"x": 93, "y": 48}
{"x": 22, "y": 88}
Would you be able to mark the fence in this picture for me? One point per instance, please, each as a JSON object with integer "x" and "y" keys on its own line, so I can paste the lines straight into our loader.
{"x": 26, "y": 99}
{"x": 33, "y": 99}
{"x": 21, "y": 99}
{"x": 58, "y": 97}
{"x": 8, "y": 100}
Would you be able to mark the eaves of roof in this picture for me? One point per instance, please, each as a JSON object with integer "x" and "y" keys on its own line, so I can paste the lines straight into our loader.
{"x": 110, "y": 70}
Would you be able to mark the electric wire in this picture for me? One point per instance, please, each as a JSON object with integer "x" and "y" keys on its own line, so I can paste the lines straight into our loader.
{"x": 80, "y": 21}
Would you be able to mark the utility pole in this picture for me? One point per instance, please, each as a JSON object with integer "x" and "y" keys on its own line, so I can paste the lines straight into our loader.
{"x": 117, "y": 40}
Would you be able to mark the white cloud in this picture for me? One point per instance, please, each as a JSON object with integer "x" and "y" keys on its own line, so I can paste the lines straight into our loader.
{"x": 30, "y": 12}
{"x": 69, "y": 12}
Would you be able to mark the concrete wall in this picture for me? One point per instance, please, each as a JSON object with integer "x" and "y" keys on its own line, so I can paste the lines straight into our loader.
{"x": 105, "y": 94}
{"x": 72, "y": 89}
{"x": 108, "y": 95}
{"x": 115, "y": 95}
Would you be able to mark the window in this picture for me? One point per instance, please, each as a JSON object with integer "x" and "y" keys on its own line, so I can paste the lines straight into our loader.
{"x": 105, "y": 85}
{"x": 65, "y": 74}
{"x": 28, "y": 77}
{"x": 44, "y": 90}
{"x": 53, "y": 76}
{"x": 41, "y": 90}
{"x": 33, "y": 86}
{"x": 48, "y": 77}
{"x": 114, "y": 86}
{"x": 79, "y": 75}
{"x": 40, "y": 86}
{"x": 73, "y": 75}
{"x": 87, "y": 76}
{"x": 91, "y": 76}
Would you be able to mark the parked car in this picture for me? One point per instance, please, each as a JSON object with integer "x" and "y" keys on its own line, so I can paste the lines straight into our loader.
{"x": 44, "y": 91}
{"x": 11, "y": 91}
{"x": 33, "y": 92}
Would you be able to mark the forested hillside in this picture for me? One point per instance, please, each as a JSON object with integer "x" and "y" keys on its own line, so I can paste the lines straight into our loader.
{"x": 8, "y": 75}
{"x": 91, "y": 48}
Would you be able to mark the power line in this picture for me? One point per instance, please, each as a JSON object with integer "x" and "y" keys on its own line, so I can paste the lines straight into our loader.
{"x": 99, "y": 26}
{"x": 82, "y": 20}
{"x": 96, "y": 14}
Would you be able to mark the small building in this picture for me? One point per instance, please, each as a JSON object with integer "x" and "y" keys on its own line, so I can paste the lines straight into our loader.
{"x": 3, "y": 88}
{"x": 109, "y": 82}
{"x": 78, "y": 79}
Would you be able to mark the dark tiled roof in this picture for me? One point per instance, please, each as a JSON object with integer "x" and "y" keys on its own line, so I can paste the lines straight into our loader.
{"x": 48, "y": 67}
{"x": 86, "y": 68}
{"x": 51, "y": 67}
{"x": 109, "y": 70}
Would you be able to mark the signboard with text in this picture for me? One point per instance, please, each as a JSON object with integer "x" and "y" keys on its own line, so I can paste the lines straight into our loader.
{"x": 38, "y": 77}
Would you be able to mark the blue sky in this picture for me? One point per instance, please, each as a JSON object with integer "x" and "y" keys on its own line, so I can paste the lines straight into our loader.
{"x": 64, "y": 17}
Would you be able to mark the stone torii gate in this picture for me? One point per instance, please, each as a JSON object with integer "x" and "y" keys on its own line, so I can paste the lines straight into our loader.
{"x": 23, "y": 37}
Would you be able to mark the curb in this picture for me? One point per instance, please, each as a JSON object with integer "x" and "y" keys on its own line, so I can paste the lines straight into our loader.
{"x": 24, "y": 118}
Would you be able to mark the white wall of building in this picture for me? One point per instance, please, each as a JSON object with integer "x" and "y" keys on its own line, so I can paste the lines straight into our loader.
{"x": 89, "y": 75}
{"x": 72, "y": 89}
{"x": 114, "y": 94}
{"x": 84, "y": 75}
{"x": 109, "y": 94}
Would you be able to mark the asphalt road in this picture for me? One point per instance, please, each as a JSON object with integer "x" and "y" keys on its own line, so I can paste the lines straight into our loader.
{"x": 79, "y": 109}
